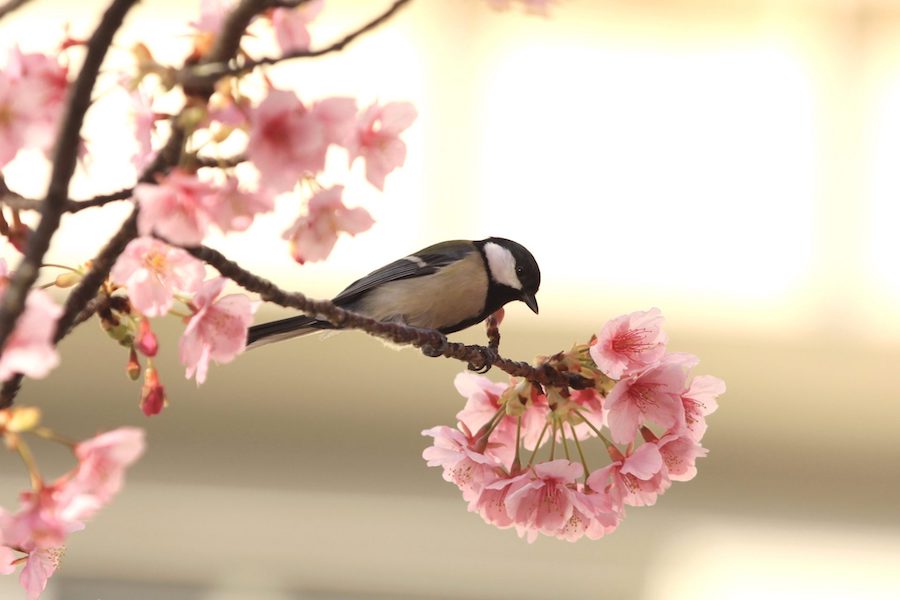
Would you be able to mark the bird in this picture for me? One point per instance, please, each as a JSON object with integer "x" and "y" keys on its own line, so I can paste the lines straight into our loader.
{"x": 449, "y": 286}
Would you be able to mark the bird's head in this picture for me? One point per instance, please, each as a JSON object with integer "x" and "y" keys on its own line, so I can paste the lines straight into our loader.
{"x": 513, "y": 269}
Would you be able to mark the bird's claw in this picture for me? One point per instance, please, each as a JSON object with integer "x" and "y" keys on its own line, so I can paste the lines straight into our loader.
{"x": 432, "y": 351}
{"x": 484, "y": 362}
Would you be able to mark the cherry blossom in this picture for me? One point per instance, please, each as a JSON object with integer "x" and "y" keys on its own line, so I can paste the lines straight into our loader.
{"x": 177, "y": 207}
{"x": 636, "y": 479}
{"x": 102, "y": 461}
{"x": 144, "y": 119}
{"x": 207, "y": 26}
{"x": 699, "y": 401}
{"x": 593, "y": 516}
{"x": 153, "y": 272}
{"x": 30, "y": 349}
{"x": 680, "y": 453}
{"x": 377, "y": 139}
{"x": 290, "y": 25}
{"x": 237, "y": 207}
{"x": 218, "y": 329}
{"x": 13, "y": 120}
{"x": 469, "y": 470}
{"x": 654, "y": 395}
{"x": 287, "y": 140}
{"x": 45, "y": 518}
{"x": 51, "y": 512}
{"x": 40, "y": 565}
{"x": 313, "y": 235}
{"x": 41, "y": 81}
{"x": 630, "y": 343}
{"x": 541, "y": 500}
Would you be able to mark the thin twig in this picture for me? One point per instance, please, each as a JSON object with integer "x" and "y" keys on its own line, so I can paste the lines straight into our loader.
{"x": 212, "y": 71}
{"x": 17, "y": 201}
{"x": 10, "y": 6}
{"x": 430, "y": 341}
{"x": 64, "y": 160}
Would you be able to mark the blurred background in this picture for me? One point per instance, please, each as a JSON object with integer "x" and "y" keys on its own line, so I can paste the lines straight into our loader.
{"x": 732, "y": 162}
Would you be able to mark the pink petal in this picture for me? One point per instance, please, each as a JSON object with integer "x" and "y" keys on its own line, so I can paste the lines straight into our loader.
{"x": 41, "y": 564}
{"x": 644, "y": 463}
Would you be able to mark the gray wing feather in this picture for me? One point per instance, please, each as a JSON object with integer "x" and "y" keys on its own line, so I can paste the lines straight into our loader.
{"x": 424, "y": 262}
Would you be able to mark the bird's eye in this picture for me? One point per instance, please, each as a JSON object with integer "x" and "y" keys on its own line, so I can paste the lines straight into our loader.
{"x": 519, "y": 270}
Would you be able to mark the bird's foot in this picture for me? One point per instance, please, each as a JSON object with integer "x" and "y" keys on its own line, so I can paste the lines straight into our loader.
{"x": 433, "y": 351}
{"x": 483, "y": 360}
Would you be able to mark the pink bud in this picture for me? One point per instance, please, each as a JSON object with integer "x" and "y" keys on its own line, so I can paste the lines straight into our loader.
{"x": 145, "y": 341}
{"x": 134, "y": 366}
{"x": 153, "y": 394}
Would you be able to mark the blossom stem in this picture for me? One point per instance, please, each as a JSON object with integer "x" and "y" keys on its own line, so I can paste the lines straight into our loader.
{"x": 537, "y": 446}
{"x": 580, "y": 452}
{"x": 562, "y": 431}
{"x": 58, "y": 266}
{"x": 552, "y": 438}
{"x": 28, "y": 458}
{"x": 591, "y": 425}
{"x": 516, "y": 465}
{"x": 484, "y": 434}
{"x": 48, "y": 434}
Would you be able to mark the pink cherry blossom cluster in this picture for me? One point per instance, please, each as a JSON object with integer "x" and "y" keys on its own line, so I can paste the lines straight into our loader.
{"x": 154, "y": 275}
{"x": 35, "y": 534}
{"x": 286, "y": 141}
{"x": 654, "y": 413}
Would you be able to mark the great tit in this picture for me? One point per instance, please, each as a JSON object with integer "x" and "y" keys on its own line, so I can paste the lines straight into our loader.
{"x": 448, "y": 287}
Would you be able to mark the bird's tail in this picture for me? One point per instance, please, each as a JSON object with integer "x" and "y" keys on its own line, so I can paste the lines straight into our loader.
{"x": 283, "y": 329}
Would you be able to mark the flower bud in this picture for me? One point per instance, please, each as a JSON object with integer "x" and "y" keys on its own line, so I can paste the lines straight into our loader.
{"x": 20, "y": 419}
{"x": 145, "y": 341}
{"x": 68, "y": 279}
{"x": 133, "y": 368}
{"x": 153, "y": 394}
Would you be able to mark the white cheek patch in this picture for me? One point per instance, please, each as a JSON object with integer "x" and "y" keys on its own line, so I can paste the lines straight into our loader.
{"x": 502, "y": 265}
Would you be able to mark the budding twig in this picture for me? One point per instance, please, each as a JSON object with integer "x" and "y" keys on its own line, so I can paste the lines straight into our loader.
{"x": 206, "y": 74}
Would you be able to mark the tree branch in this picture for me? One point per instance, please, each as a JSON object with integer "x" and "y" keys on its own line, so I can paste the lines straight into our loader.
{"x": 10, "y": 6}
{"x": 211, "y": 71}
{"x": 20, "y": 202}
{"x": 430, "y": 341}
{"x": 64, "y": 160}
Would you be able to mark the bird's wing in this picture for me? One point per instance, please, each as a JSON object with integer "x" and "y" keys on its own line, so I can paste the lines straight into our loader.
{"x": 425, "y": 262}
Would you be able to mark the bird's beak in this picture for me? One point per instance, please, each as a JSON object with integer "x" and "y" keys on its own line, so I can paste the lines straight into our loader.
{"x": 531, "y": 301}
